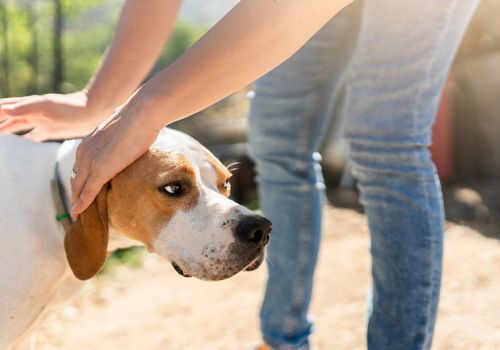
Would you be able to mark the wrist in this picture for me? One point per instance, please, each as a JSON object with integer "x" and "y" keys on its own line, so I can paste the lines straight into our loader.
{"x": 96, "y": 107}
{"x": 148, "y": 109}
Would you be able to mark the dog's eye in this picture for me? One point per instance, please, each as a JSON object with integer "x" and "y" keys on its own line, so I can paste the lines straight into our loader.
{"x": 227, "y": 184}
{"x": 174, "y": 189}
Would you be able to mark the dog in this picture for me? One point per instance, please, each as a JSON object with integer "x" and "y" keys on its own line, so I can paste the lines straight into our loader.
{"x": 173, "y": 200}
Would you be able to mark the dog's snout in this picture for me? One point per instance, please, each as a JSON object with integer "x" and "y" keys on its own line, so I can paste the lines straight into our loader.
{"x": 254, "y": 229}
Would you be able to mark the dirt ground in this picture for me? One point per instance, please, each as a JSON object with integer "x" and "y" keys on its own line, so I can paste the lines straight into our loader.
{"x": 154, "y": 308}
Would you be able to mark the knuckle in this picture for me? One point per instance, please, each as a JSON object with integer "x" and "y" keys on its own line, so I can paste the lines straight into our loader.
{"x": 40, "y": 100}
{"x": 47, "y": 97}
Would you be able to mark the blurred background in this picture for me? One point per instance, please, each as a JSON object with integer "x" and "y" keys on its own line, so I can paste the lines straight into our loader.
{"x": 55, "y": 46}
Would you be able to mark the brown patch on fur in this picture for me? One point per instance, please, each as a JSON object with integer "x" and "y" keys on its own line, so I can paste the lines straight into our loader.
{"x": 138, "y": 206}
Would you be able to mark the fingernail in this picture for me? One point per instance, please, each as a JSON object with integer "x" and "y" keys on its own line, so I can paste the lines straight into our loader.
{"x": 73, "y": 212}
{"x": 8, "y": 107}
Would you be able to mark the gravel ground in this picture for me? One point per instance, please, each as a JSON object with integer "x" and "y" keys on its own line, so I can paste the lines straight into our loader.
{"x": 153, "y": 308}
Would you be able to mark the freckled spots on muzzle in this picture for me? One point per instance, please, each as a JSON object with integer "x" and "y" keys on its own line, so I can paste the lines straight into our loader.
{"x": 220, "y": 261}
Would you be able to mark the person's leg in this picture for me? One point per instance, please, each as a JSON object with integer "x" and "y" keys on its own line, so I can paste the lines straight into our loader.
{"x": 404, "y": 51}
{"x": 290, "y": 109}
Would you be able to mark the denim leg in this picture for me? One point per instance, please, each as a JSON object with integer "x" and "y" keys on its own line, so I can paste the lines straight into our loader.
{"x": 290, "y": 110}
{"x": 404, "y": 52}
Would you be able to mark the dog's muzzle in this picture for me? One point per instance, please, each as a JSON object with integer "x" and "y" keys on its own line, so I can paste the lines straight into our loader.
{"x": 251, "y": 235}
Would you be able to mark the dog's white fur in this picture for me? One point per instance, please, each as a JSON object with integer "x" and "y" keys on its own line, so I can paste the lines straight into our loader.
{"x": 34, "y": 272}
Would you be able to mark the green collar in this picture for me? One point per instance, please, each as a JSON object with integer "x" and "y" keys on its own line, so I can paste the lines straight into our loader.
{"x": 59, "y": 198}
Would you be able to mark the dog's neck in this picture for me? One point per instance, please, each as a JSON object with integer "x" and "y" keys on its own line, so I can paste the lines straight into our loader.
{"x": 66, "y": 156}
{"x": 66, "y": 159}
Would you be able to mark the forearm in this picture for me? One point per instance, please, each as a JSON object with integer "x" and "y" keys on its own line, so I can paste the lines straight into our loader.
{"x": 255, "y": 37}
{"x": 142, "y": 31}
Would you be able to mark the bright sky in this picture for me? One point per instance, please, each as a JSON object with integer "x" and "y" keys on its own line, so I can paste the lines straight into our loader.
{"x": 206, "y": 11}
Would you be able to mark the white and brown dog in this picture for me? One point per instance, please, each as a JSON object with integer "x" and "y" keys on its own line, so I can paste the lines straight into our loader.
{"x": 173, "y": 199}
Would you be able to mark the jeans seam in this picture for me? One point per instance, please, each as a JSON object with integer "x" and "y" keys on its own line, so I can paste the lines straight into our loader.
{"x": 311, "y": 119}
{"x": 427, "y": 341}
{"x": 304, "y": 234}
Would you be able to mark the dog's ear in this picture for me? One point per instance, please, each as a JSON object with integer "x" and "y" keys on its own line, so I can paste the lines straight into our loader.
{"x": 87, "y": 241}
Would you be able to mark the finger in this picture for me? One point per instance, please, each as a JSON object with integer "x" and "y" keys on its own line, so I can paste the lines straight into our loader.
{"x": 46, "y": 132}
{"x": 82, "y": 171}
{"x": 9, "y": 100}
{"x": 37, "y": 104}
{"x": 89, "y": 191}
{"x": 8, "y": 108}
{"x": 77, "y": 181}
{"x": 36, "y": 135}
{"x": 15, "y": 125}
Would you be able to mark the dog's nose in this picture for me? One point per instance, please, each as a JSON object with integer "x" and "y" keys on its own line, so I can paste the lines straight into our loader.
{"x": 254, "y": 229}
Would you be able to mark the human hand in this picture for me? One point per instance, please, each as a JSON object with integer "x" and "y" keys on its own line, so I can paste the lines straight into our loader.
{"x": 51, "y": 116}
{"x": 113, "y": 146}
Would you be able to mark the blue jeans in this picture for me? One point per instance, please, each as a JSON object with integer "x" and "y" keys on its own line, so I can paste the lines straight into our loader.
{"x": 393, "y": 57}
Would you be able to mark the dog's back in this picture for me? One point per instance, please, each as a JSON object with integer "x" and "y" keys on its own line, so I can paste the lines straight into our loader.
{"x": 26, "y": 170}
{"x": 30, "y": 249}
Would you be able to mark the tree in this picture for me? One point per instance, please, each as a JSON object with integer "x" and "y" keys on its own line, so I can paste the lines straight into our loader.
{"x": 5, "y": 40}
{"x": 58, "y": 72}
{"x": 31, "y": 9}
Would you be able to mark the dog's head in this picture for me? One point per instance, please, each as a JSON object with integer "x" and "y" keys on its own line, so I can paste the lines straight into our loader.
{"x": 173, "y": 199}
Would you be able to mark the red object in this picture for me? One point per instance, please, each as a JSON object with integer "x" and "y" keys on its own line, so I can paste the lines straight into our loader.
{"x": 442, "y": 134}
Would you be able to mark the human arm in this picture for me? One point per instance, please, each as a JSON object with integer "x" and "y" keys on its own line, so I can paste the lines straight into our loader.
{"x": 142, "y": 31}
{"x": 253, "y": 38}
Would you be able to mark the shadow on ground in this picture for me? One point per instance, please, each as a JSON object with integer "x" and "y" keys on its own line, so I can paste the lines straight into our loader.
{"x": 473, "y": 204}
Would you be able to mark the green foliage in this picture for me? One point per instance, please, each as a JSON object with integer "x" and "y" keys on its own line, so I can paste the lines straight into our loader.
{"x": 184, "y": 35}
{"x": 130, "y": 257}
{"x": 88, "y": 27}
{"x": 73, "y": 9}
{"x": 83, "y": 50}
